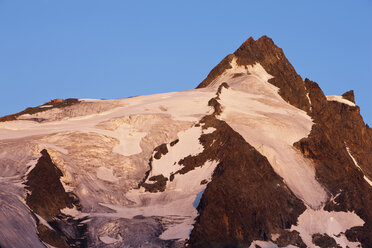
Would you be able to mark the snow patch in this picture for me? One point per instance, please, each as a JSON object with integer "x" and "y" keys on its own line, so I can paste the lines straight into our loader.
{"x": 308, "y": 98}
{"x": 357, "y": 165}
{"x": 31, "y": 165}
{"x": 275, "y": 236}
{"x": 74, "y": 212}
{"x": 108, "y": 240}
{"x": 209, "y": 130}
{"x": 267, "y": 244}
{"x": 333, "y": 198}
{"x": 106, "y": 174}
{"x": 255, "y": 71}
{"x": 368, "y": 181}
{"x": 129, "y": 140}
{"x": 260, "y": 73}
{"x": 334, "y": 224}
{"x": 43, "y": 221}
{"x": 341, "y": 100}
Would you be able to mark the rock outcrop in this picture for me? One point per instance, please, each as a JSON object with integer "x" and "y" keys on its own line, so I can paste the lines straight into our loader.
{"x": 55, "y": 103}
{"x": 46, "y": 198}
{"x": 341, "y": 146}
{"x": 47, "y": 195}
{"x": 246, "y": 200}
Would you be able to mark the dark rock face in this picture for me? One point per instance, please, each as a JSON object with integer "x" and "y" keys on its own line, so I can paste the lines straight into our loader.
{"x": 46, "y": 198}
{"x": 246, "y": 200}
{"x": 216, "y": 71}
{"x": 324, "y": 241}
{"x": 160, "y": 150}
{"x": 71, "y": 229}
{"x": 51, "y": 237}
{"x": 273, "y": 60}
{"x": 339, "y": 127}
{"x": 174, "y": 142}
{"x": 349, "y": 96}
{"x": 156, "y": 183}
{"x": 47, "y": 195}
{"x": 160, "y": 182}
{"x": 290, "y": 238}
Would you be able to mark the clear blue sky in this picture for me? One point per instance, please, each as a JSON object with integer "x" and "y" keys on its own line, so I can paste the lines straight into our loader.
{"x": 116, "y": 48}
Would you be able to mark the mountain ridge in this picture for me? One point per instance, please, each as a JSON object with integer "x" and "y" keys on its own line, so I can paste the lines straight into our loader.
{"x": 248, "y": 158}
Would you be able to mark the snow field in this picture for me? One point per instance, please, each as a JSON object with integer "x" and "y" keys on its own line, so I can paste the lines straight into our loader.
{"x": 180, "y": 195}
{"x": 253, "y": 108}
{"x": 103, "y": 148}
{"x": 181, "y": 106}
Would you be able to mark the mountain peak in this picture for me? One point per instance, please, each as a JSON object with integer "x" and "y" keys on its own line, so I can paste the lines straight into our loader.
{"x": 349, "y": 95}
{"x": 264, "y": 52}
{"x": 251, "y": 42}
{"x": 235, "y": 164}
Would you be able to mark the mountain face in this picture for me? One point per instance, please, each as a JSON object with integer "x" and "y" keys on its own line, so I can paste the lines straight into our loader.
{"x": 255, "y": 156}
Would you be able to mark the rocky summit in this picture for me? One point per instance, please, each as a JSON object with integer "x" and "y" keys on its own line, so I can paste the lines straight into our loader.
{"x": 255, "y": 156}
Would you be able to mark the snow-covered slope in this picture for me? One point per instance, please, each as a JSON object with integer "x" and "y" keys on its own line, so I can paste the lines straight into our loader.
{"x": 105, "y": 155}
{"x": 253, "y": 107}
{"x": 126, "y": 164}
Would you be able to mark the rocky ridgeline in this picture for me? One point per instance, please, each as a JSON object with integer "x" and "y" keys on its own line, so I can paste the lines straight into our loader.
{"x": 245, "y": 200}
{"x": 337, "y": 127}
